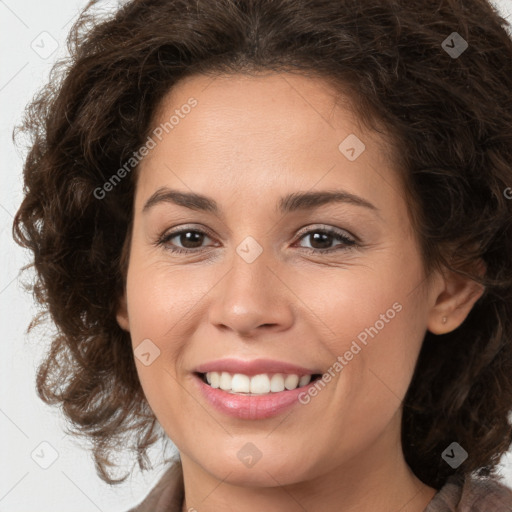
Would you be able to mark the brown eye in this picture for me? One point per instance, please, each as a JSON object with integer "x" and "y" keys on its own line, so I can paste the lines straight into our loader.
{"x": 190, "y": 239}
{"x": 321, "y": 240}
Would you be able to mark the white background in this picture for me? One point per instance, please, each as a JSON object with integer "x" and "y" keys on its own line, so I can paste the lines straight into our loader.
{"x": 70, "y": 483}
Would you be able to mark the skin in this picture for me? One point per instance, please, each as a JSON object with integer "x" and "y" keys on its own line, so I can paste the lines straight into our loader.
{"x": 249, "y": 141}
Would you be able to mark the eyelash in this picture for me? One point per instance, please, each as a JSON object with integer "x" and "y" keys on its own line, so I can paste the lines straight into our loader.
{"x": 349, "y": 242}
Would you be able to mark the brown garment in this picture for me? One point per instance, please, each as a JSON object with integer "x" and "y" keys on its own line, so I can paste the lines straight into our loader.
{"x": 457, "y": 495}
{"x": 167, "y": 495}
{"x": 469, "y": 494}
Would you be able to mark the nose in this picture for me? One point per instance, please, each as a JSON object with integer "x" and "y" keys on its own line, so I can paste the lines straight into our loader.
{"x": 252, "y": 298}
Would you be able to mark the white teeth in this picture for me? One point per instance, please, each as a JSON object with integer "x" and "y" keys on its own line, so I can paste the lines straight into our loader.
{"x": 277, "y": 382}
{"x": 257, "y": 384}
{"x": 303, "y": 381}
{"x": 225, "y": 381}
{"x": 240, "y": 383}
{"x": 260, "y": 384}
{"x": 291, "y": 381}
{"x": 214, "y": 379}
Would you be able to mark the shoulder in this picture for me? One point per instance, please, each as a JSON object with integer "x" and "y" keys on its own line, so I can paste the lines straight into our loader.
{"x": 472, "y": 494}
{"x": 166, "y": 495}
{"x": 488, "y": 494}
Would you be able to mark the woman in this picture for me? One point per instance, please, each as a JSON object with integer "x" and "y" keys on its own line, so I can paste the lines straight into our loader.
{"x": 281, "y": 231}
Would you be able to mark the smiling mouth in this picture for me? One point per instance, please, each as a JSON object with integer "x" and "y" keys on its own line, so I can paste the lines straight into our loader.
{"x": 256, "y": 385}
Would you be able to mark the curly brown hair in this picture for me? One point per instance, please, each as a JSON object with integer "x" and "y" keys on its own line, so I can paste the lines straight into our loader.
{"x": 450, "y": 117}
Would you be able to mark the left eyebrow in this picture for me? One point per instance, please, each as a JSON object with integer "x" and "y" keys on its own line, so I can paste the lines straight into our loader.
{"x": 310, "y": 200}
{"x": 287, "y": 204}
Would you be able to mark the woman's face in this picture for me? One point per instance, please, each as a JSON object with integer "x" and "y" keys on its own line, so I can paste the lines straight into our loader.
{"x": 266, "y": 284}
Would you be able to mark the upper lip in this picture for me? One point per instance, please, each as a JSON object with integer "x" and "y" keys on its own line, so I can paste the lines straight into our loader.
{"x": 254, "y": 367}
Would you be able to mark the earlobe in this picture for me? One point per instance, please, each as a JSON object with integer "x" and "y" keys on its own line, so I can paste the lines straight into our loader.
{"x": 122, "y": 314}
{"x": 454, "y": 302}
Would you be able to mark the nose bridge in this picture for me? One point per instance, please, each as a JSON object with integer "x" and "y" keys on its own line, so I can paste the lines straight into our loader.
{"x": 250, "y": 276}
{"x": 250, "y": 294}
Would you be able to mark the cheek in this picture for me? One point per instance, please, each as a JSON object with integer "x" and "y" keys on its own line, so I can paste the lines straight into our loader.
{"x": 160, "y": 299}
{"x": 159, "y": 304}
{"x": 164, "y": 307}
{"x": 357, "y": 304}
{"x": 374, "y": 322}
{"x": 379, "y": 358}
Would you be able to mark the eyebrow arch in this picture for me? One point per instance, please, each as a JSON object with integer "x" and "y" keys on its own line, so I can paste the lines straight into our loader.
{"x": 287, "y": 204}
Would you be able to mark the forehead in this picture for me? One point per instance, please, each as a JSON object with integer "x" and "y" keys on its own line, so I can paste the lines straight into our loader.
{"x": 261, "y": 134}
{"x": 289, "y": 104}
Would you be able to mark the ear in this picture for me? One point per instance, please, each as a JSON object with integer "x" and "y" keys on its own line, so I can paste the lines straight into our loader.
{"x": 122, "y": 314}
{"x": 456, "y": 299}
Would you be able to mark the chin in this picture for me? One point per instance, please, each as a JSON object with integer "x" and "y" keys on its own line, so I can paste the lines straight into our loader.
{"x": 264, "y": 473}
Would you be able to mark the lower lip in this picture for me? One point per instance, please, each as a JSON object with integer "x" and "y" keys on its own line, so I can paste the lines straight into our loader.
{"x": 251, "y": 407}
